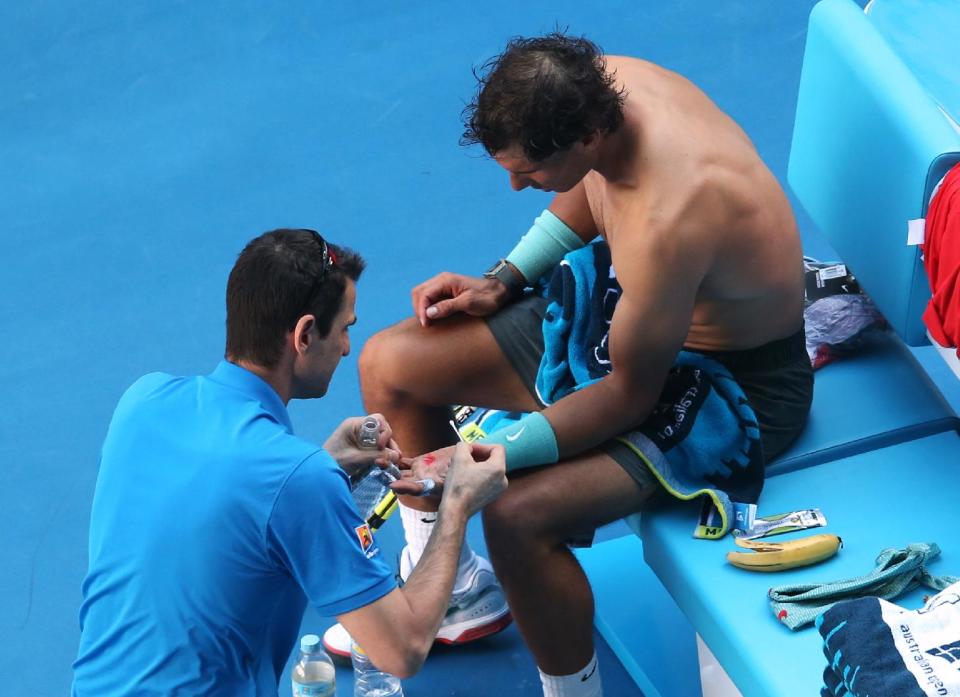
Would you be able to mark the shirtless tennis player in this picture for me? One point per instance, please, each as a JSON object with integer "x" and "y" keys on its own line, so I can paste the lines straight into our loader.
{"x": 706, "y": 250}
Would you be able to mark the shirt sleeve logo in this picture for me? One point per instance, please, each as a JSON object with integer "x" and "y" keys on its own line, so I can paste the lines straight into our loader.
{"x": 365, "y": 536}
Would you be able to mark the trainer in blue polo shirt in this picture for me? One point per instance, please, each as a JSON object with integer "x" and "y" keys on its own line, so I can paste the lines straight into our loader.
{"x": 213, "y": 524}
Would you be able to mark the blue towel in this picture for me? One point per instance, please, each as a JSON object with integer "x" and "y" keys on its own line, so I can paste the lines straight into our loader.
{"x": 702, "y": 439}
{"x": 877, "y": 649}
{"x": 582, "y": 294}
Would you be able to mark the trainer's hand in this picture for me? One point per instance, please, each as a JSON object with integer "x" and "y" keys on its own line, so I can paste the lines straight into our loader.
{"x": 477, "y": 475}
{"x": 344, "y": 446}
{"x": 448, "y": 293}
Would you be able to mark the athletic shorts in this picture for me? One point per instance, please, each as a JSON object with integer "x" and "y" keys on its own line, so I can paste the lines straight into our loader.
{"x": 777, "y": 379}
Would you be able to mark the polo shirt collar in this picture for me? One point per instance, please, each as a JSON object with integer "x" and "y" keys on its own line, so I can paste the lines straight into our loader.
{"x": 242, "y": 380}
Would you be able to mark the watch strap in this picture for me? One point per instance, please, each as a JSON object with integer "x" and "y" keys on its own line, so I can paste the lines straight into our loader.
{"x": 503, "y": 272}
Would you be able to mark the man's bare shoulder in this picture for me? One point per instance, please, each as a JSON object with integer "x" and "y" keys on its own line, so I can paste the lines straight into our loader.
{"x": 630, "y": 62}
{"x": 634, "y": 73}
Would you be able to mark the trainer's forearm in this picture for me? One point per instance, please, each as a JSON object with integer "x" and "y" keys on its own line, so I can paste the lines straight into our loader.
{"x": 427, "y": 590}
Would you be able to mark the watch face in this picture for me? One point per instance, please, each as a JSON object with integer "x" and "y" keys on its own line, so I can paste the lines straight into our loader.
{"x": 508, "y": 277}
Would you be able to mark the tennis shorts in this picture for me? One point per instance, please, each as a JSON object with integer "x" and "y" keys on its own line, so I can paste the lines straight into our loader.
{"x": 777, "y": 379}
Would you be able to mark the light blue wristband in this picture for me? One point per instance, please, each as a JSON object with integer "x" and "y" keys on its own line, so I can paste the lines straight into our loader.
{"x": 543, "y": 246}
{"x": 529, "y": 442}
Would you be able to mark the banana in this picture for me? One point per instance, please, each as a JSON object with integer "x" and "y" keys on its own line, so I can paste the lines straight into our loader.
{"x": 778, "y": 556}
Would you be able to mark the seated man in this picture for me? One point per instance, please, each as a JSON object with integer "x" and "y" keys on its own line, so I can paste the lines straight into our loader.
{"x": 707, "y": 255}
{"x": 213, "y": 524}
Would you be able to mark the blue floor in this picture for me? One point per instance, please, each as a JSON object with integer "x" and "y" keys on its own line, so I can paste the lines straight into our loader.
{"x": 142, "y": 144}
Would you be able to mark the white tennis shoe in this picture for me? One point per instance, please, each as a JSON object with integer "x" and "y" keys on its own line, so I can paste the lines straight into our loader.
{"x": 477, "y": 609}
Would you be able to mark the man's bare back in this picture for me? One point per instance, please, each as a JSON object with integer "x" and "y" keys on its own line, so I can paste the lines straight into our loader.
{"x": 693, "y": 186}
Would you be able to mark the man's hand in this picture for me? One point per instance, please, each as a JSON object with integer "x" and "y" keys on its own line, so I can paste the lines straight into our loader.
{"x": 448, "y": 293}
{"x": 344, "y": 445}
{"x": 477, "y": 475}
{"x": 433, "y": 465}
{"x": 471, "y": 475}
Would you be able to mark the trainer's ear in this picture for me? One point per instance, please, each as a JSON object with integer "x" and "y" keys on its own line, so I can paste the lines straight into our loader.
{"x": 302, "y": 336}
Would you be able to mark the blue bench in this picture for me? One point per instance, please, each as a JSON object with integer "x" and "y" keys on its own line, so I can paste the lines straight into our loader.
{"x": 878, "y": 399}
{"x": 879, "y": 451}
{"x": 884, "y": 498}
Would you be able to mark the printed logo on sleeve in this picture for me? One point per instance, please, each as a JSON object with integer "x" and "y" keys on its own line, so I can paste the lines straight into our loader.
{"x": 365, "y": 537}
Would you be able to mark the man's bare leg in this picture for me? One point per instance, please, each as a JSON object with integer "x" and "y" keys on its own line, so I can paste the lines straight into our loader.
{"x": 412, "y": 374}
{"x": 527, "y": 530}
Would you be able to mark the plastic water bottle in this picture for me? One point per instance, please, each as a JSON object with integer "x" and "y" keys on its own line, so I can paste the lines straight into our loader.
{"x": 314, "y": 674}
{"x": 368, "y": 680}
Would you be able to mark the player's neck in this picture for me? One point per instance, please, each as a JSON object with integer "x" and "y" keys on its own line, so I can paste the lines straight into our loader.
{"x": 616, "y": 153}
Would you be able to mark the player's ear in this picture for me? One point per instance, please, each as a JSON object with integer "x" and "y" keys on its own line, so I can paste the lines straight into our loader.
{"x": 591, "y": 140}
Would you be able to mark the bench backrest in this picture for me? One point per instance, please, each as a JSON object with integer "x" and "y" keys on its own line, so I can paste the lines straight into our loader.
{"x": 869, "y": 144}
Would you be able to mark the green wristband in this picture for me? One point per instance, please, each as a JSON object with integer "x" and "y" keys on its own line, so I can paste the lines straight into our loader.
{"x": 543, "y": 246}
{"x": 529, "y": 442}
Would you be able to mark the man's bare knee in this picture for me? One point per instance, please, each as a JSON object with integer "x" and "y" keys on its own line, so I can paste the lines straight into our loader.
{"x": 497, "y": 522}
{"x": 385, "y": 365}
{"x": 515, "y": 519}
{"x": 550, "y": 506}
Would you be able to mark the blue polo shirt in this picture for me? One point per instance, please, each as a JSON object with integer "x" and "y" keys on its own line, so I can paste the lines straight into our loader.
{"x": 212, "y": 526}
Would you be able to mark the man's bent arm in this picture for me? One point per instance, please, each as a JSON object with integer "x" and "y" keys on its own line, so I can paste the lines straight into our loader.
{"x": 398, "y": 630}
{"x": 648, "y": 328}
{"x": 572, "y": 210}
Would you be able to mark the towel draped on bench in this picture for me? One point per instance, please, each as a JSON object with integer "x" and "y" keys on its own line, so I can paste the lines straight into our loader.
{"x": 875, "y": 648}
{"x": 897, "y": 571}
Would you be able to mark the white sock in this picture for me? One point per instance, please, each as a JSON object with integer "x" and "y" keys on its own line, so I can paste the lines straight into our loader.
{"x": 417, "y": 526}
{"x": 583, "y": 683}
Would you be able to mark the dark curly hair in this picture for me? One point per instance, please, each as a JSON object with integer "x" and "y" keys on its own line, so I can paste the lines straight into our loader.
{"x": 543, "y": 94}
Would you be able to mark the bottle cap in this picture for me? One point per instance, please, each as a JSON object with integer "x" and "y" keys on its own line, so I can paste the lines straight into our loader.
{"x": 369, "y": 433}
{"x": 310, "y": 643}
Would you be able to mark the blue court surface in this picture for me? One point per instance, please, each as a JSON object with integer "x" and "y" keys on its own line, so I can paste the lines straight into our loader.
{"x": 144, "y": 143}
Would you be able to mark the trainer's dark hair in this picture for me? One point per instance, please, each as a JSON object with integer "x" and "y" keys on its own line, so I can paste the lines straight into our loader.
{"x": 279, "y": 278}
{"x": 543, "y": 94}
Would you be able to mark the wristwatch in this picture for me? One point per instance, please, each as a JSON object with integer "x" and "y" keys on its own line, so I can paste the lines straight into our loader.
{"x": 503, "y": 272}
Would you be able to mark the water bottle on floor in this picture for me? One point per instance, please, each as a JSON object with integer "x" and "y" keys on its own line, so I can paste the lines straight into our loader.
{"x": 313, "y": 674}
{"x": 368, "y": 680}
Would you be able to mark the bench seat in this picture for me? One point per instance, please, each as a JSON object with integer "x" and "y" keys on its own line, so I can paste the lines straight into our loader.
{"x": 885, "y": 498}
{"x": 879, "y": 397}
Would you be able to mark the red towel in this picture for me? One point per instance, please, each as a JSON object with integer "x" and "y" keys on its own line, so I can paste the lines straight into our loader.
{"x": 941, "y": 257}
